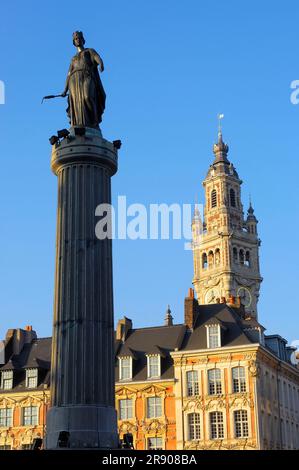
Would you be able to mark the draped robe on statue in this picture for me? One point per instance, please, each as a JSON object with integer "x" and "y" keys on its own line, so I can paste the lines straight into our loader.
{"x": 86, "y": 101}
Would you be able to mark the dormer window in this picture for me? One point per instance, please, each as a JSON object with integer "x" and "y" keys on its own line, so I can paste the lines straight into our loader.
{"x": 31, "y": 378}
{"x": 153, "y": 366}
{"x": 7, "y": 379}
{"x": 213, "y": 336}
{"x": 125, "y": 368}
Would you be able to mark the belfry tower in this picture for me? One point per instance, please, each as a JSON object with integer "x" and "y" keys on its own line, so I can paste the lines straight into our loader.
{"x": 225, "y": 244}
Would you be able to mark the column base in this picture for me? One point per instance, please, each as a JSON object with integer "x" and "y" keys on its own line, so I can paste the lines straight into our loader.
{"x": 89, "y": 427}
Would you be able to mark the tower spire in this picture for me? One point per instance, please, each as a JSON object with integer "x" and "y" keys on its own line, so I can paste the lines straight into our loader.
{"x": 226, "y": 253}
{"x": 168, "y": 318}
{"x": 220, "y": 117}
{"x": 220, "y": 149}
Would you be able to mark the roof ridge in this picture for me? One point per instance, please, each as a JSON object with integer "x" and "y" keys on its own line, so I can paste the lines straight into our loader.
{"x": 155, "y": 327}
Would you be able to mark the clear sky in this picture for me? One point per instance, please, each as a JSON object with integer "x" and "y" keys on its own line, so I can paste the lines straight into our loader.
{"x": 170, "y": 67}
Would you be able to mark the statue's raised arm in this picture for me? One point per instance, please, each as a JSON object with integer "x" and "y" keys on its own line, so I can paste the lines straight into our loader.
{"x": 86, "y": 100}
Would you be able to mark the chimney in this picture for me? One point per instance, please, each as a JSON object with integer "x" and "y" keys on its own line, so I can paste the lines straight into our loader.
{"x": 19, "y": 338}
{"x": 124, "y": 325}
{"x": 191, "y": 305}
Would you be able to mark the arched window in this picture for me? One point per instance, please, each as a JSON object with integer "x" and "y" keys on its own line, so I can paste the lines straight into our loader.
{"x": 211, "y": 258}
{"x": 241, "y": 257}
{"x": 204, "y": 261}
{"x": 247, "y": 259}
{"x": 192, "y": 383}
{"x": 235, "y": 255}
{"x": 214, "y": 198}
{"x": 214, "y": 381}
{"x": 239, "y": 379}
{"x": 232, "y": 197}
{"x": 217, "y": 257}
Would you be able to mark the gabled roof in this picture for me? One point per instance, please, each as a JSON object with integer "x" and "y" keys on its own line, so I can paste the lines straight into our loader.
{"x": 228, "y": 317}
{"x": 125, "y": 351}
{"x": 156, "y": 351}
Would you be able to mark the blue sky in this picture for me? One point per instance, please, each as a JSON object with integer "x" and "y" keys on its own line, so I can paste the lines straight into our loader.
{"x": 170, "y": 67}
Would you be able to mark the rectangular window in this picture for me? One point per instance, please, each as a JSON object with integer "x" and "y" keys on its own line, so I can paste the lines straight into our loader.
{"x": 5, "y": 417}
{"x": 241, "y": 423}
{"x": 194, "y": 426}
{"x": 216, "y": 425}
{"x": 192, "y": 383}
{"x": 214, "y": 380}
{"x": 213, "y": 336}
{"x": 125, "y": 409}
{"x": 31, "y": 378}
{"x": 239, "y": 379}
{"x": 5, "y": 447}
{"x": 155, "y": 443}
{"x": 30, "y": 416}
{"x": 154, "y": 407}
{"x": 125, "y": 368}
{"x": 7, "y": 379}
{"x": 153, "y": 366}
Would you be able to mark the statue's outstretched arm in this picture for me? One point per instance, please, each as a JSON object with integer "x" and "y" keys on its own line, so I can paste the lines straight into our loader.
{"x": 98, "y": 60}
{"x": 67, "y": 81}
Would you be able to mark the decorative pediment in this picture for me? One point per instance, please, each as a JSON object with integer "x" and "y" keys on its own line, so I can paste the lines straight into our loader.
{"x": 125, "y": 391}
{"x": 29, "y": 401}
{"x": 6, "y": 401}
{"x": 153, "y": 389}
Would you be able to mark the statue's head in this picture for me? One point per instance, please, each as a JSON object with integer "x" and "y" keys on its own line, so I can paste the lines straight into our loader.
{"x": 78, "y": 39}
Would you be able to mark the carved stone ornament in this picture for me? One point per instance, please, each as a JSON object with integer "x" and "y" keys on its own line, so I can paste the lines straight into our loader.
{"x": 194, "y": 403}
{"x": 127, "y": 427}
{"x": 245, "y": 282}
{"x": 254, "y": 369}
{"x": 211, "y": 282}
{"x": 215, "y": 403}
{"x": 154, "y": 426}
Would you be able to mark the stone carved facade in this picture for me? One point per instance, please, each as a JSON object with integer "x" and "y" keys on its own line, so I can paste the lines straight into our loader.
{"x": 140, "y": 424}
{"x": 272, "y": 416}
{"x": 18, "y": 436}
{"x": 225, "y": 245}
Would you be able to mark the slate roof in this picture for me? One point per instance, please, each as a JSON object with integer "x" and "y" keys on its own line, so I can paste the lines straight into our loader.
{"x": 230, "y": 319}
{"x": 235, "y": 331}
{"x": 34, "y": 355}
{"x": 152, "y": 340}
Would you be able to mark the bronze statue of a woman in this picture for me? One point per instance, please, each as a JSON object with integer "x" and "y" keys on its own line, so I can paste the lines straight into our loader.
{"x": 86, "y": 100}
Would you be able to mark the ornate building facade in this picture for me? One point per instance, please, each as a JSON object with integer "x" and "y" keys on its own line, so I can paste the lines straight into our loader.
{"x": 226, "y": 245}
{"x": 215, "y": 381}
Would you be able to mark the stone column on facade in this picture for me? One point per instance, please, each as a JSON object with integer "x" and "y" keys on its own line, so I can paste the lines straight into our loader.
{"x": 82, "y": 368}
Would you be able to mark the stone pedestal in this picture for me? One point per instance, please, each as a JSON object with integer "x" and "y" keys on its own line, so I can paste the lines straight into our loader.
{"x": 82, "y": 370}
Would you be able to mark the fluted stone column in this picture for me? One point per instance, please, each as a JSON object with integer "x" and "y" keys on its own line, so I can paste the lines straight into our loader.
{"x": 82, "y": 370}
